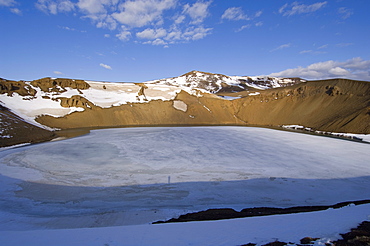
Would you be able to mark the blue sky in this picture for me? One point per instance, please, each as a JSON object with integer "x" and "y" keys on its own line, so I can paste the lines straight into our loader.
{"x": 141, "y": 40}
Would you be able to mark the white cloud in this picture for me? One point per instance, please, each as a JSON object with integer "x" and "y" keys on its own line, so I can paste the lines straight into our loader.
{"x": 355, "y": 68}
{"x": 323, "y": 46}
{"x": 55, "y": 6}
{"x": 195, "y": 33}
{"x": 243, "y": 27}
{"x": 138, "y": 13}
{"x": 11, "y": 4}
{"x": 66, "y": 6}
{"x": 7, "y": 3}
{"x": 174, "y": 35}
{"x": 16, "y": 11}
{"x": 93, "y": 6}
{"x": 306, "y": 51}
{"x": 235, "y": 13}
{"x": 258, "y": 14}
{"x": 140, "y": 19}
{"x": 341, "y": 45}
{"x": 197, "y": 12}
{"x": 283, "y": 46}
{"x": 180, "y": 19}
{"x": 105, "y": 66}
{"x": 107, "y": 35}
{"x": 58, "y": 72}
{"x": 296, "y": 8}
{"x": 260, "y": 23}
{"x": 157, "y": 41}
{"x": 124, "y": 35}
{"x": 345, "y": 13}
{"x": 152, "y": 33}
{"x": 106, "y": 21}
{"x": 314, "y": 52}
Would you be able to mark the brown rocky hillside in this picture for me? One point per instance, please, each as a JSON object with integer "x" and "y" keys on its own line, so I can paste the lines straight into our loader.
{"x": 337, "y": 105}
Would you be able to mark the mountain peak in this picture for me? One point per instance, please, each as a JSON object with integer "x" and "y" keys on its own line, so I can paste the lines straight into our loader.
{"x": 214, "y": 83}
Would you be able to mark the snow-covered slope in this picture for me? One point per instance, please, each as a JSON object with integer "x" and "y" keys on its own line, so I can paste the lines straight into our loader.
{"x": 30, "y": 99}
{"x": 220, "y": 83}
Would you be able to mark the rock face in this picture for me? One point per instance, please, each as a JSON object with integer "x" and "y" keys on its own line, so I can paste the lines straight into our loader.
{"x": 46, "y": 84}
{"x": 14, "y": 130}
{"x": 9, "y": 87}
{"x": 59, "y": 85}
{"x": 195, "y": 98}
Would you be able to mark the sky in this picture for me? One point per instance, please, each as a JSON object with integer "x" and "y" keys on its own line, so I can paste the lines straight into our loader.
{"x": 142, "y": 40}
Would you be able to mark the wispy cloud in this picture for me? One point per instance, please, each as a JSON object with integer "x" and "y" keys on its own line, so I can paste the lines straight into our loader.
{"x": 313, "y": 52}
{"x": 7, "y": 3}
{"x": 341, "y": 45}
{"x": 234, "y": 13}
{"x": 16, "y": 11}
{"x": 323, "y": 47}
{"x": 345, "y": 13}
{"x": 317, "y": 51}
{"x": 11, "y": 4}
{"x": 237, "y": 14}
{"x": 355, "y": 68}
{"x": 296, "y": 8}
{"x": 58, "y": 72}
{"x": 105, "y": 66}
{"x": 283, "y": 46}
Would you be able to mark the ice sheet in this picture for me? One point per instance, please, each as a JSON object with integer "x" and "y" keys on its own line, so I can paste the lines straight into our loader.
{"x": 106, "y": 177}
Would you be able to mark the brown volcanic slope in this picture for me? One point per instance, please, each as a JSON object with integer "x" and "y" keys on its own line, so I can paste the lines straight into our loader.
{"x": 336, "y": 105}
{"x": 206, "y": 110}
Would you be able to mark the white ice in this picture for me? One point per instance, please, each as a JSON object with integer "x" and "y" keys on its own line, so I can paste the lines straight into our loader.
{"x": 123, "y": 177}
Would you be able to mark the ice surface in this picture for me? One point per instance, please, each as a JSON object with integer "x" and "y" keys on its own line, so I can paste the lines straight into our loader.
{"x": 128, "y": 176}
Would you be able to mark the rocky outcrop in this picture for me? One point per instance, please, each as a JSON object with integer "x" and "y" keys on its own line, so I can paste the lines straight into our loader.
{"x": 76, "y": 101}
{"x": 59, "y": 85}
{"x": 24, "y": 88}
{"x": 20, "y": 87}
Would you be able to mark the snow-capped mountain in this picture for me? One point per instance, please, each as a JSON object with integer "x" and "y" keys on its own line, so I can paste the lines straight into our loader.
{"x": 215, "y": 83}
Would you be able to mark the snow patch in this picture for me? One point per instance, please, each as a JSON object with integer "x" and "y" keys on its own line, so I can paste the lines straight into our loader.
{"x": 180, "y": 105}
{"x": 362, "y": 137}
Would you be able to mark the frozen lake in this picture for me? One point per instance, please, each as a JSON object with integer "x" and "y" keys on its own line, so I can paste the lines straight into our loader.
{"x": 138, "y": 175}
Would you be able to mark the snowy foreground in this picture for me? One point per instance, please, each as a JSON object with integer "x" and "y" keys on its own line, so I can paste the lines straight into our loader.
{"x": 106, "y": 188}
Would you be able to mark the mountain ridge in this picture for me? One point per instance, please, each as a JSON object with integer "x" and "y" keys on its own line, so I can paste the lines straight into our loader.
{"x": 195, "y": 98}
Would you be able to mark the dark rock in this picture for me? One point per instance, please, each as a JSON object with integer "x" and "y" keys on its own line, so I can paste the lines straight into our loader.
{"x": 307, "y": 240}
